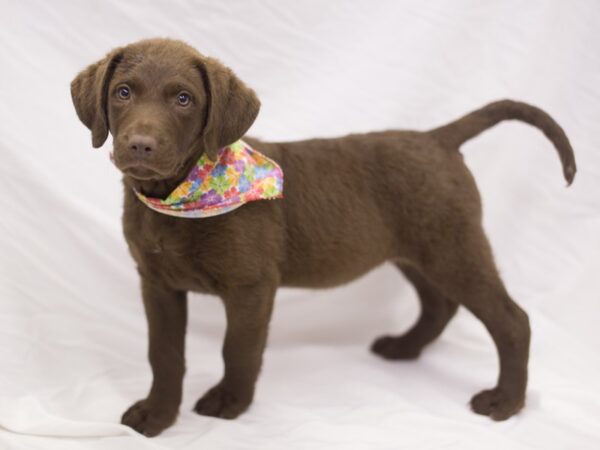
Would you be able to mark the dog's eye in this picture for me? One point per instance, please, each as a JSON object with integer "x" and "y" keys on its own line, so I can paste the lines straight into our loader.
{"x": 123, "y": 93}
{"x": 184, "y": 98}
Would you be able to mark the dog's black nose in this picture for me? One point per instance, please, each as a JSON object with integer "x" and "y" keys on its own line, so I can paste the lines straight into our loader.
{"x": 141, "y": 144}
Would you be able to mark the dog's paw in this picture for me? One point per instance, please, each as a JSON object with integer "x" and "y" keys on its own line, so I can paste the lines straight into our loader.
{"x": 219, "y": 402}
{"x": 497, "y": 403}
{"x": 395, "y": 347}
{"x": 147, "y": 420}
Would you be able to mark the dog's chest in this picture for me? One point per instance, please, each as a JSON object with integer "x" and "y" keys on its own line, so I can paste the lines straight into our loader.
{"x": 208, "y": 254}
{"x": 169, "y": 250}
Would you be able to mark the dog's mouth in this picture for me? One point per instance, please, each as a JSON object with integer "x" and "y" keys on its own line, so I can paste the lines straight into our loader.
{"x": 138, "y": 170}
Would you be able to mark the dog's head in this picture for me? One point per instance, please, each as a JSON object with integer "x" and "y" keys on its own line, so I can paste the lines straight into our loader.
{"x": 165, "y": 104}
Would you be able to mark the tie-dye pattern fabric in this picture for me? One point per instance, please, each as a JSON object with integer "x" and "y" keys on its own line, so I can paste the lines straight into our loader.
{"x": 240, "y": 175}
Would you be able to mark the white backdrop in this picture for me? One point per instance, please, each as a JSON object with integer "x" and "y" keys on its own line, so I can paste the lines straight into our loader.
{"x": 72, "y": 330}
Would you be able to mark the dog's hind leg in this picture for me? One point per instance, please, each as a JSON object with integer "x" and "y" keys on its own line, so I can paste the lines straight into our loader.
{"x": 463, "y": 268}
{"x": 436, "y": 312}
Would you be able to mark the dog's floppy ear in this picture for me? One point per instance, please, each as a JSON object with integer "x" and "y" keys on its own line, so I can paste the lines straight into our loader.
{"x": 89, "y": 91}
{"x": 232, "y": 106}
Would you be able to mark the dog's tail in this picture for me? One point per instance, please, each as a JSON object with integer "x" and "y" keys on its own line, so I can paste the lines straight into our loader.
{"x": 456, "y": 133}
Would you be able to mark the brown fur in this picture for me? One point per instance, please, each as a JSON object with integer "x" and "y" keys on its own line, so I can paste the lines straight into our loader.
{"x": 351, "y": 204}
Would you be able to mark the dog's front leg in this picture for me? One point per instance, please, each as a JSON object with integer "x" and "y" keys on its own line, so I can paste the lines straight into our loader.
{"x": 248, "y": 310}
{"x": 166, "y": 312}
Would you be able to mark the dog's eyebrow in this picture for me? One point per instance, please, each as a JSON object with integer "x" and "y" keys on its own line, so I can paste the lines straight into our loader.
{"x": 133, "y": 81}
{"x": 178, "y": 84}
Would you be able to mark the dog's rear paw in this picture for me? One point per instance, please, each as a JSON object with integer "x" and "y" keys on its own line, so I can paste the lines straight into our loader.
{"x": 147, "y": 420}
{"x": 219, "y": 402}
{"x": 395, "y": 347}
{"x": 497, "y": 403}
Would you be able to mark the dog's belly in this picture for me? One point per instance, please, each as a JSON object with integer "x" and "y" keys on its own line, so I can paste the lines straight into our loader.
{"x": 338, "y": 253}
{"x": 327, "y": 275}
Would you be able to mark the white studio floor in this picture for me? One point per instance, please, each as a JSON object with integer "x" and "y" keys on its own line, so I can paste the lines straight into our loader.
{"x": 72, "y": 330}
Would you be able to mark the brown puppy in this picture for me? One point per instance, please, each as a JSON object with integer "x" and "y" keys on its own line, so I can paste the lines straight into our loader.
{"x": 350, "y": 204}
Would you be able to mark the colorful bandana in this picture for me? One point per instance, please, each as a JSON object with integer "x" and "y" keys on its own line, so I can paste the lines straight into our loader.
{"x": 240, "y": 175}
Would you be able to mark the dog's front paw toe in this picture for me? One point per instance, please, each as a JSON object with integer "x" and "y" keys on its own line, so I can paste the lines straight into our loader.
{"x": 147, "y": 420}
{"x": 395, "y": 347}
{"x": 219, "y": 402}
{"x": 497, "y": 403}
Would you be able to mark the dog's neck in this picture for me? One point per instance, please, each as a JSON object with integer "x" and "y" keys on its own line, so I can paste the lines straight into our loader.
{"x": 153, "y": 188}
{"x": 160, "y": 188}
